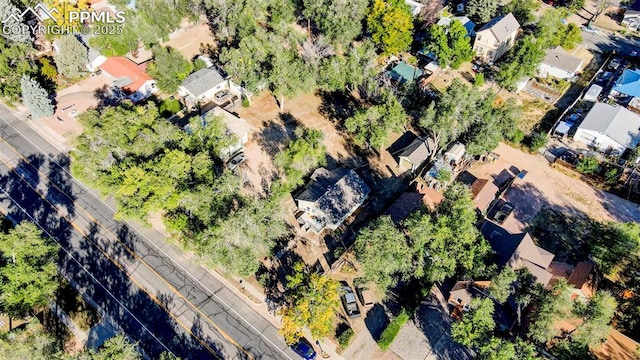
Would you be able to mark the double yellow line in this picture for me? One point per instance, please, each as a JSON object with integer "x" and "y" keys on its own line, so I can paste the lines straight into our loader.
{"x": 116, "y": 263}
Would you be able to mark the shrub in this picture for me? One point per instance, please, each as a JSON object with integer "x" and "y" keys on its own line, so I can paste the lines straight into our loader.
{"x": 245, "y": 102}
{"x": 479, "y": 80}
{"x": 169, "y": 107}
{"x": 392, "y": 330}
{"x": 588, "y": 165}
{"x": 345, "y": 338}
{"x": 612, "y": 176}
{"x": 517, "y": 136}
{"x": 538, "y": 140}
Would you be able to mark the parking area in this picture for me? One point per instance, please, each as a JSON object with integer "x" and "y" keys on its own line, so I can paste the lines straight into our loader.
{"x": 545, "y": 186}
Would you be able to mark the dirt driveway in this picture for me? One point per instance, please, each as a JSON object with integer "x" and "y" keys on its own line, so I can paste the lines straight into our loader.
{"x": 544, "y": 186}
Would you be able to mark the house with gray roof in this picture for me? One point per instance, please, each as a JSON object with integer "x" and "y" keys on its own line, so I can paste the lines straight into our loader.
{"x": 558, "y": 64}
{"x": 609, "y": 127}
{"x": 496, "y": 37}
{"x": 518, "y": 251}
{"x": 204, "y": 85}
{"x": 414, "y": 155}
{"x": 329, "y": 198}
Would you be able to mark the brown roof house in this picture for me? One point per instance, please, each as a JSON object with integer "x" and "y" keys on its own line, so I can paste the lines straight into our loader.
{"x": 329, "y": 198}
{"x": 518, "y": 251}
{"x": 483, "y": 191}
{"x": 582, "y": 279}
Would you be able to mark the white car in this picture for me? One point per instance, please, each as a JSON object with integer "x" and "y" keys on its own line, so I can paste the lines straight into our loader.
{"x": 590, "y": 29}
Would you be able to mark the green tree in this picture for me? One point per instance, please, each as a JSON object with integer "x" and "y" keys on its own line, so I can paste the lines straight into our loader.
{"x": 452, "y": 46}
{"x": 248, "y": 63}
{"x": 499, "y": 349}
{"x": 478, "y": 81}
{"x": 460, "y": 43}
{"x": 15, "y": 61}
{"x": 476, "y": 327}
{"x": 522, "y": 10}
{"x": 521, "y": 61}
{"x": 312, "y": 300}
{"x": 169, "y": 68}
{"x": 572, "y": 36}
{"x": 29, "y": 342}
{"x": 611, "y": 176}
{"x": 116, "y": 348}
{"x": 47, "y": 69}
{"x": 482, "y": 10}
{"x": 71, "y": 57}
{"x": 340, "y": 21}
{"x": 439, "y": 44}
{"x": 390, "y": 23}
{"x": 588, "y": 165}
{"x": 596, "y": 316}
{"x": 553, "y": 305}
{"x": 289, "y": 76}
{"x": 502, "y": 284}
{"x": 303, "y": 154}
{"x": 574, "y": 5}
{"x": 373, "y": 125}
{"x": 35, "y": 98}
{"x": 448, "y": 240}
{"x": 616, "y": 247}
{"x": 29, "y": 278}
{"x": 12, "y": 25}
{"x": 384, "y": 253}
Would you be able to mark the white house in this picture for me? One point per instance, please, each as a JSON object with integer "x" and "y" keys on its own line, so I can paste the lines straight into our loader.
{"x": 129, "y": 77}
{"x": 609, "y": 127}
{"x": 558, "y": 64}
{"x": 631, "y": 19}
{"x": 496, "y": 38}
{"x": 203, "y": 85}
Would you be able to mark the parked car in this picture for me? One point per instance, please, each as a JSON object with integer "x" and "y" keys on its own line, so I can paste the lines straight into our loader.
{"x": 349, "y": 301}
{"x": 590, "y": 29}
{"x": 221, "y": 95}
{"x": 503, "y": 212}
{"x": 304, "y": 349}
{"x": 365, "y": 296}
{"x": 235, "y": 161}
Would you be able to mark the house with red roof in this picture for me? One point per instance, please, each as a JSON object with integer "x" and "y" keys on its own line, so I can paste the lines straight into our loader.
{"x": 129, "y": 77}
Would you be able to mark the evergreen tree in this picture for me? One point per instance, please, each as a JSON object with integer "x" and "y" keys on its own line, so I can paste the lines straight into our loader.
{"x": 71, "y": 57}
{"x": 29, "y": 278}
{"x": 35, "y": 98}
{"x": 482, "y": 10}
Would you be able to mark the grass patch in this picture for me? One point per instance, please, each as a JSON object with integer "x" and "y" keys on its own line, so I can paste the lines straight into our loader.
{"x": 169, "y": 107}
{"x": 72, "y": 303}
{"x": 392, "y": 330}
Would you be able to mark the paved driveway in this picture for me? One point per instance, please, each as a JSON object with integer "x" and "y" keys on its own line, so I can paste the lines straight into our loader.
{"x": 428, "y": 336}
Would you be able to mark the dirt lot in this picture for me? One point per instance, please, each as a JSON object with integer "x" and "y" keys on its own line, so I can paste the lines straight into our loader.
{"x": 274, "y": 129}
{"x": 544, "y": 186}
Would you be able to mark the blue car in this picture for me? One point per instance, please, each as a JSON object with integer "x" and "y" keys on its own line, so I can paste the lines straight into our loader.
{"x": 304, "y": 349}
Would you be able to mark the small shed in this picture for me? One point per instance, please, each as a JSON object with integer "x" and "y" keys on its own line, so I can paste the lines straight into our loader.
{"x": 562, "y": 128}
{"x": 414, "y": 155}
{"x": 455, "y": 153}
{"x": 593, "y": 93}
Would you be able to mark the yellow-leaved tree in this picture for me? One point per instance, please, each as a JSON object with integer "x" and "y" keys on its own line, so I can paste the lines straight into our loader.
{"x": 312, "y": 300}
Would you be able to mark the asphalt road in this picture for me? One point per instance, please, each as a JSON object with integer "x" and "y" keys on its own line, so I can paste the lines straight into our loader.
{"x": 149, "y": 288}
{"x": 604, "y": 41}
